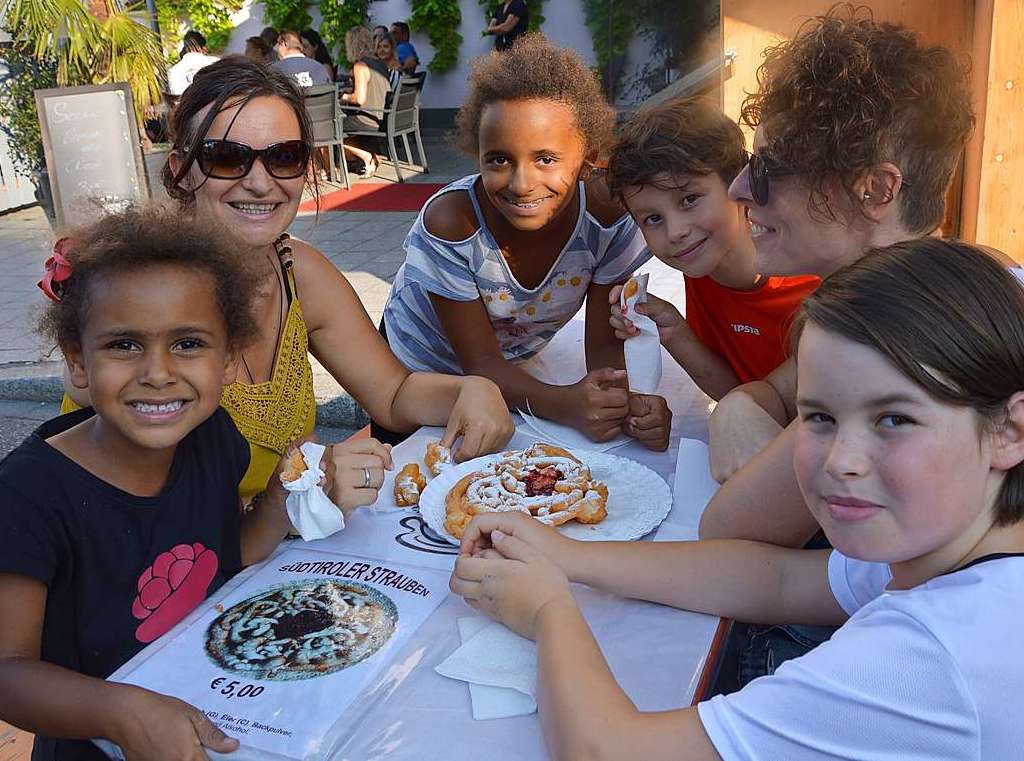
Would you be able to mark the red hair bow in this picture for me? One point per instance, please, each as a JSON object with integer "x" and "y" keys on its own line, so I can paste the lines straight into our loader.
{"x": 58, "y": 270}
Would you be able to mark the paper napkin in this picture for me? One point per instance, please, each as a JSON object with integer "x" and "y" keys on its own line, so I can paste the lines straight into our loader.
{"x": 499, "y": 665}
{"x": 309, "y": 508}
{"x": 643, "y": 351}
{"x": 692, "y": 489}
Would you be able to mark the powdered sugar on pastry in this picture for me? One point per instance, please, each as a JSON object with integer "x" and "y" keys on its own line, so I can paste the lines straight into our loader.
{"x": 409, "y": 484}
{"x": 437, "y": 457}
{"x": 544, "y": 481}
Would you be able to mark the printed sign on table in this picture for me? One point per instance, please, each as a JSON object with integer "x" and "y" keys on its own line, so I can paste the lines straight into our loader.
{"x": 276, "y": 661}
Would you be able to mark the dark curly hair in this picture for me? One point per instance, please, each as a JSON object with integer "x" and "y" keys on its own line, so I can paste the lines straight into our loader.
{"x": 948, "y": 316}
{"x": 144, "y": 237}
{"x": 231, "y": 81}
{"x": 847, "y": 93}
{"x": 682, "y": 136}
{"x": 531, "y": 69}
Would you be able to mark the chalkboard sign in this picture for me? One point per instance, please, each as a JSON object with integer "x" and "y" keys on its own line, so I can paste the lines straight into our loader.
{"x": 91, "y": 143}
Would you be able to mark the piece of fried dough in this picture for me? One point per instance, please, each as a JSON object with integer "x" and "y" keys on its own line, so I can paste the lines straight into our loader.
{"x": 437, "y": 457}
{"x": 545, "y": 481}
{"x": 409, "y": 484}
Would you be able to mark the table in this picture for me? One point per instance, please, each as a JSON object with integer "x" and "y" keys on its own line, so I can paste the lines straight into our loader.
{"x": 658, "y": 654}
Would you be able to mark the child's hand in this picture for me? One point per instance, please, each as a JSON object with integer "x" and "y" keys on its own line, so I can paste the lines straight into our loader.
{"x": 481, "y": 417}
{"x": 511, "y": 583}
{"x": 326, "y": 465}
{"x": 359, "y": 472}
{"x": 161, "y": 728}
{"x": 476, "y": 539}
{"x": 649, "y": 421}
{"x": 598, "y": 404}
{"x": 665, "y": 316}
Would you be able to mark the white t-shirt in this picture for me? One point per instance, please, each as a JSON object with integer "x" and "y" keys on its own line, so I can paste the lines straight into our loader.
{"x": 932, "y": 673}
{"x": 180, "y": 75}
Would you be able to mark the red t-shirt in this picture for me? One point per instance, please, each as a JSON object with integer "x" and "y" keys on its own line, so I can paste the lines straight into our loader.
{"x": 750, "y": 329}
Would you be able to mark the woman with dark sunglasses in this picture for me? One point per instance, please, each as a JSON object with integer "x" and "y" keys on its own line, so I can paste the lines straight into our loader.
{"x": 242, "y": 143}
{"x": 858, "y": 130}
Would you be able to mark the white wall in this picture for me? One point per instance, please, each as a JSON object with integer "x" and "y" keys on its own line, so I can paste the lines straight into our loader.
{"x": 563, "y": 24}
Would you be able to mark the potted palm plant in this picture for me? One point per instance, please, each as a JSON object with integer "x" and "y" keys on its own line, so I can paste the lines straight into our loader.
{"x": 64, "y": 43}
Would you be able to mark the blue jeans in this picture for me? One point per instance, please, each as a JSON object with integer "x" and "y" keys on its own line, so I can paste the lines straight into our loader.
{"x": 768, "y": 647}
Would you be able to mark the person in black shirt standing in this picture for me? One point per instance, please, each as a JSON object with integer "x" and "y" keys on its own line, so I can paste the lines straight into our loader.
{"x": 510, "y": 21}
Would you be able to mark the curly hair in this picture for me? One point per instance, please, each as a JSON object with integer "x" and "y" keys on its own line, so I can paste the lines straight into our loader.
{"x": 359, "y": 43}
{"x": 532, "y": 69}
{"x": 145, "y": 237}
{"x": 847, "y": 93}
{"x": 682, "y": 136}
{"x": 231, "y": 81}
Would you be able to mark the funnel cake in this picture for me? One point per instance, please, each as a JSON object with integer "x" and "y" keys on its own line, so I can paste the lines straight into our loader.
{"x": 544, "y": 481}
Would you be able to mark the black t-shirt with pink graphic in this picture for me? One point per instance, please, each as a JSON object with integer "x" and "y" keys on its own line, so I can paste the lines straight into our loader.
{"x": 120, "y": 570}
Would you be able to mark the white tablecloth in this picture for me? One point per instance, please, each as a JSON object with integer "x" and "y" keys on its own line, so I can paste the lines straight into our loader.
{"x": 656, "y": 653}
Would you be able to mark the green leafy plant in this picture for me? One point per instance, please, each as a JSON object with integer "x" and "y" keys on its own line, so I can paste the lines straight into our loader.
{"x": 338, "y": 17}
{"x": 287, "y": 14}
{"x": 18, "y": 117}
{"x": 113, "y": 46}
{"x": 210, "y": 17}
{"x": 440, "y": 19}
{"x": 611, "y": 27}
{"x": 535, "y": 7}
{"x": 679, "y": 42}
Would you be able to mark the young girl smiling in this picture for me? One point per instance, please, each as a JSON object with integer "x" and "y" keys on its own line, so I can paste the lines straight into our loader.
{"x": 908, "y": 454}
{"x": 497, "y": 263}
{"x": 117, "y": 520}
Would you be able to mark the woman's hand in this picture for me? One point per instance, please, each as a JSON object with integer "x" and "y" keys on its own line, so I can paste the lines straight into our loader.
{"x": 665, "y": 316}
{"x": 160, "y": 728}
{"x": 481, "y": 417}
{"x": 649, "y": 421}
{"x": 359, "y": 472}
{"x": 511, "y": 580}
{"x": 598, "y": 404}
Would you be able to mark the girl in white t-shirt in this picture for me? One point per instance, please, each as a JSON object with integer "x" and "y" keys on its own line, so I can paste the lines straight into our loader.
{"x": 911, "y": 434}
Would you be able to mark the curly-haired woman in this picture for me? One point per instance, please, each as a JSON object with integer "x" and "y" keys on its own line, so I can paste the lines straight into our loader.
{"x": 858, "y": 130}
{"x": 498, "y": 262}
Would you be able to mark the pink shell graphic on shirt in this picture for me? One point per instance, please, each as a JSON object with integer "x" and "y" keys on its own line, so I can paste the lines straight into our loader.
{"x": 172, "y": 587}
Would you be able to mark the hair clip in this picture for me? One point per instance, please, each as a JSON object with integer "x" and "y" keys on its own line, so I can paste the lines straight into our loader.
{"x": 58, "y": 271}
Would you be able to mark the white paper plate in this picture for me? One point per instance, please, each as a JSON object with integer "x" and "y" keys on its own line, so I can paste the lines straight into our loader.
{"x": 638, "y": 498}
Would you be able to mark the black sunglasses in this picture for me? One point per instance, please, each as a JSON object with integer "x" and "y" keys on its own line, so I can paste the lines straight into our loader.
{"x": 228, "y": 160}
{"x": 761, "y": 168}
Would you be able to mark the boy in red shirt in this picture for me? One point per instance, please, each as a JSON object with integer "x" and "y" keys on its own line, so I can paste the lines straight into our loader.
{"x": 671, "y": 168}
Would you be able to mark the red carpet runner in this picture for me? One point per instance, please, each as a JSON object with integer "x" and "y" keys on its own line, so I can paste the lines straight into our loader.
{"x": 372, "y": 196}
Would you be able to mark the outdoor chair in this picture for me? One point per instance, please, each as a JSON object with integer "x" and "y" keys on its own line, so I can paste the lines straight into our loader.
{"x": 322, "y": 105}
{"x": 399, "y": 119}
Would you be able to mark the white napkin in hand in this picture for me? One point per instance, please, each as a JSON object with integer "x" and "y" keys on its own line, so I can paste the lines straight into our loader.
{"x": 310, "y": 510}
{"x": 643, "y": 351}
{"x": 500, "y": 666}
